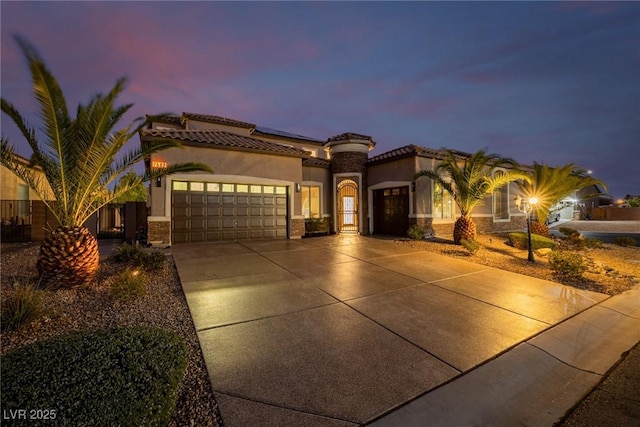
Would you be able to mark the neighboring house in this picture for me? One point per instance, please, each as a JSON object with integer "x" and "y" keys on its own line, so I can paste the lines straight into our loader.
{"x": 267, "y": 182}
{"x": 20, "y": 206}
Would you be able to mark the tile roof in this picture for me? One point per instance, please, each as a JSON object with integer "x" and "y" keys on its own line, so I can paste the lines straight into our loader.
{"x": 407, "y": 151}
{"x": 350, "y": 135}
{"x": 169, "y": 119}
{"x": 221, "y": 139}
{"x": 261, "y": 130}
{"x": 314, "y": 161}
{"x": 217, "y": 119}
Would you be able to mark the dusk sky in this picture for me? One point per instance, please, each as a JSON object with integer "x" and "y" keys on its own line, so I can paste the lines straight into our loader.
{"x": 549, "y": 82}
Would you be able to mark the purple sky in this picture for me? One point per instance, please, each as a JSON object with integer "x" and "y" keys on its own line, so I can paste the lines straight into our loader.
{"x": 549, "y": 82}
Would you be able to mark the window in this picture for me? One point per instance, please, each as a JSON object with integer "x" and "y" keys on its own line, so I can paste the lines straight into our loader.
{"x": 501, "y": 200}
{"x": 441, "y": 202}
{"x": 23, "y": 192}
{"x": 197, "y": 186}
{"x": 310, "y": 201}
{"x": 179, "y": 186}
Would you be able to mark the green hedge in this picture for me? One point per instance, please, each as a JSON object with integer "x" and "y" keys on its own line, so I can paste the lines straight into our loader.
{"x": 519, "y": 239}
{"x": 122, "y": 376}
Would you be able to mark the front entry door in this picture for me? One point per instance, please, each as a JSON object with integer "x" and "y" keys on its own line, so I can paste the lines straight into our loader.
{"x": 348, "y": 206}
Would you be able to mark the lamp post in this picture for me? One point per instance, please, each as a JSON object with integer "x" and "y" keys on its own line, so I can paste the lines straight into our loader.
{"x": 526, "y": 207}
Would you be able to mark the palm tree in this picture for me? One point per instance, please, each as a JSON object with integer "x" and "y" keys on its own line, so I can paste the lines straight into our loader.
{"x": 469, "y": 179}
{"x": 77, "y": 157}
{"x": 550, "y": 185}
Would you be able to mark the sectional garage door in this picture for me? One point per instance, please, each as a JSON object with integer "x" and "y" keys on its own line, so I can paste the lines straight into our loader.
{"x": 208, "y": 212}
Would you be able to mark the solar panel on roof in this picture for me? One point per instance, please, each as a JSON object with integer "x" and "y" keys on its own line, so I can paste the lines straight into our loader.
{"x": 277, "y": 132}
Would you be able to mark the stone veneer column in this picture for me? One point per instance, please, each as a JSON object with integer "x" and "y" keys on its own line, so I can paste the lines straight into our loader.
{"x": 348, "y": 153}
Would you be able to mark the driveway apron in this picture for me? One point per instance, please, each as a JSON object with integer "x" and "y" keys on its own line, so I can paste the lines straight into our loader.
{"x": 346, "y": 330}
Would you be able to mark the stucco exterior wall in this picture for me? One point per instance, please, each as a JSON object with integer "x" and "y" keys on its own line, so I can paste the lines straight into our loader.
{"x": 316, "y": 149}
{"x": 399, "y": 170}
{"x": 230, "y": 164}
{"x": 9, "y": 186}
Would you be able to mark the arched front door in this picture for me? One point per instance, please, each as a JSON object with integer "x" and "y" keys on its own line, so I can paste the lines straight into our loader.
{"x": 348, "y": 206}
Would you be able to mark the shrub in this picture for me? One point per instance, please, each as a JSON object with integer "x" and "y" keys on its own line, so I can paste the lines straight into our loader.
{"x": 129, "y": 284}
{"x": 569, "y": 232}
{"x": 567, "y": 264}
{"x": 592, "y": 242}
{"x": 121, "y": 376}
{"x": 154, "y": 260}
{"x": 128, "y": 253}
{"x": 22, "y": 305}
{"x": 316, "y": 225}
{"x": 625, "y": 241}
{"x": 415, "y": 232}
{"x": 136, "y": 256}
{"x": 472, "y": 246}
{"x": 520, "y": 240}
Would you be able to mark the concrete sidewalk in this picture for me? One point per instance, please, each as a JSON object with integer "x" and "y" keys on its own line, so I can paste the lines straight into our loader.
{"x": 348, "y": 330}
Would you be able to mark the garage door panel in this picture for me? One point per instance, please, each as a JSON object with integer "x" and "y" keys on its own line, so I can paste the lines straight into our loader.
{"x": 180, "y": 198}
{"x": 197, "y": 236}
{"x": 268, "y": 222}
{"x": 180, "y": 237}
{"x": 198, "y": 216}
{"x": 198, "y": 211}
{"x": 198, "y": 199}
{"x": 198, "y": 224}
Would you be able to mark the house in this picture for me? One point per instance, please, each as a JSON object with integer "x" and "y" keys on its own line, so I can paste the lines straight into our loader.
{"x": 267, "y": 182}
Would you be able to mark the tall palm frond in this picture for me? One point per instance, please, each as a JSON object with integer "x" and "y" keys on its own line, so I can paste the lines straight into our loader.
{"x": 469, "y": 179}
{"x": 550, "y": 185}
{"x": 80, "y": 157}
{"x": 78, "y": 161}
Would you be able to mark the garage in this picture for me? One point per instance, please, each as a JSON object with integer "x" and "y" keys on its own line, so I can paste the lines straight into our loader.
{"x": 217, "y": 211}
{"x": 391, "y": 211}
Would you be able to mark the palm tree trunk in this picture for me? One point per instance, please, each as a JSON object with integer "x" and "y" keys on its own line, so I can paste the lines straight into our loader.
{"x": 69, "y": 257}
{"x": 464, "y": 228}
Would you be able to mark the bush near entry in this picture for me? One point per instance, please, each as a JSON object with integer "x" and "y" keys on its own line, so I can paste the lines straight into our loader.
{"x": 120, "y": 376}
{"x": 520, "y": 240}
{"x": 567, "y": 264}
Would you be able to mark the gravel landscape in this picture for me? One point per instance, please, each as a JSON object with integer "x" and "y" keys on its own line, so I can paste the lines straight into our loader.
{"x": 94, "y": 308}
{"x": 612, "y": 269}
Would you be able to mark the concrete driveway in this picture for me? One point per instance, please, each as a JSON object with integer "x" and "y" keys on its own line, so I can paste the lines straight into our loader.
{"x": 350, "y": 330}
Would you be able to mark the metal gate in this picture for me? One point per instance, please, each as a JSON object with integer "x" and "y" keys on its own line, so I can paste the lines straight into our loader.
{"x": 16, "y": 220}
{"x": 348, "y": 206}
